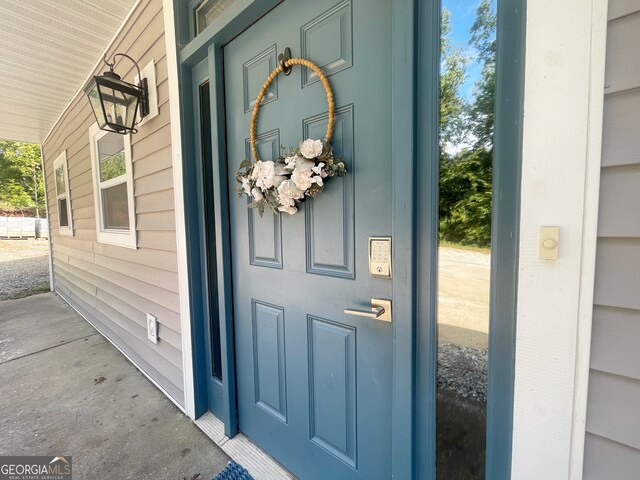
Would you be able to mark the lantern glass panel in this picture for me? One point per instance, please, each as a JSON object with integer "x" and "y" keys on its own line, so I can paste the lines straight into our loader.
{"x": 96, "y": 105}
{"x": 120, "y": 107}
{"x": 132, "y": 109}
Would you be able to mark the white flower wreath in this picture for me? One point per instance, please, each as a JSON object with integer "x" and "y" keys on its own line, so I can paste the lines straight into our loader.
{"x": 299, "y": 172}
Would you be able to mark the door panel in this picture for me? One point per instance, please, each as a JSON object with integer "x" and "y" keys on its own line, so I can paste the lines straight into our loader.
{"x": 265, "y": 233}
{"x": 314, "y": 384}
{"x": 331, "y": 221}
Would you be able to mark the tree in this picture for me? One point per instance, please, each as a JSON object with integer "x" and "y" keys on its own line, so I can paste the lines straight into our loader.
{"x": 21, "y": 182}
{"x": 465, "y": 198}
{"x": 453, "y": 74}
{"x": 466, "y": 172}
{"x": 483, "y": 39}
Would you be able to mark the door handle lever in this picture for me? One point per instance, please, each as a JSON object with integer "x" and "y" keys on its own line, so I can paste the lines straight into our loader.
{"x": 375, "y": 312}
{"x": 380, "y": 310}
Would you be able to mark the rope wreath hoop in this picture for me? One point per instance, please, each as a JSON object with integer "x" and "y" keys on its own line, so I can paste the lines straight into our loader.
{"x": 284, "y": 183}
{"x": 288, "y": 63}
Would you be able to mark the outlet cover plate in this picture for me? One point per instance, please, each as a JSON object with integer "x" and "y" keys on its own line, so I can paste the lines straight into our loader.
{"x": 152, "y": 328}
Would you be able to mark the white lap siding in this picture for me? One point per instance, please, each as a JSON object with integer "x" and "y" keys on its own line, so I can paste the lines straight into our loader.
{"x": 612, "y": 445}
{"x": 115, "y": 287}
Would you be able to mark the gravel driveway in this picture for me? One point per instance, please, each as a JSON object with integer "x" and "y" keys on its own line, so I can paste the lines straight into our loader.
{"x": 463, "y": 323}
{"x": 24, "y": 268}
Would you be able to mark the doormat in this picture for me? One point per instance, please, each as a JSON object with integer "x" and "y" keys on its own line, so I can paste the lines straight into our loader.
{"x": 233, "y": 471}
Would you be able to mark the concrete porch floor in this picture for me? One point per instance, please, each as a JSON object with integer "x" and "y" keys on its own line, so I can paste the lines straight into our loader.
{"x": 67, "y": 391}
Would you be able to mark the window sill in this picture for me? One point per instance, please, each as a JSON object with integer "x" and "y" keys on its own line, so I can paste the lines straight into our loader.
{"x": 126, "y": 240}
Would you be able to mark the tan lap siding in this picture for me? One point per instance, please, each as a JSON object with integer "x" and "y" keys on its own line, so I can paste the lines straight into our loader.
{"x": 612, "y": 444}
{"x": 115, "y": 287}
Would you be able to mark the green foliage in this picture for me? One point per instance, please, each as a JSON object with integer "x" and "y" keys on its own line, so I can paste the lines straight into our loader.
{"x": 483, "y": 32}
{"x": 453, "y": 73}
{"x": 21, "y": 182}
{"x": 483, "y": 39}
{"x": 465, "y": 198}
{"x": 112, "y": 167}
{"x": 466, "y": 173}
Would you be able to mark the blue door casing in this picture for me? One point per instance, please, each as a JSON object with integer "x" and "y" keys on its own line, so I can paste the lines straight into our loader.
{"x": 209, "y": 331}
{"x": 413, "y": 132}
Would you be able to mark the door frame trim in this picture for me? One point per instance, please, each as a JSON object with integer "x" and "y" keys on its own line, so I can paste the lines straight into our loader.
{"x": 414, "y": 108}
{"x": 179, "y": 203}
{"x": 509, "y": 110}
{"x": 207, "y": 46}
{"x": 551, "y": 392}
{"x": 222, "y": 229}
{"x": 425, "y": 234}
{"x": 505, "y": 234}
{"x": 595, "y": 135}
{"x": 415, "y": 58}
{"x": 202, "y": 330}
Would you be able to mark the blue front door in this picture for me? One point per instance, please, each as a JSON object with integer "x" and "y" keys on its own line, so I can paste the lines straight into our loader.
{"x": 314, "y": 384}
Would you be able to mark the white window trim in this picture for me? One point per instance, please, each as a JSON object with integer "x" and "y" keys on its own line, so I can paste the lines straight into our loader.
{"x": 57, "y": 163}
{"x": 127, "y": 239}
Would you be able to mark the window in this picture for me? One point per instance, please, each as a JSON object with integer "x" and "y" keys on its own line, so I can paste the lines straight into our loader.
{"x": 63, "y": 198}
{"x": 206, "y": 11}
{"x": 113, "y": 187}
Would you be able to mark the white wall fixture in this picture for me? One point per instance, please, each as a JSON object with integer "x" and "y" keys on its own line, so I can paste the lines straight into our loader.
{"x": 152, "y": 328}
{"x": 149, "y": 72}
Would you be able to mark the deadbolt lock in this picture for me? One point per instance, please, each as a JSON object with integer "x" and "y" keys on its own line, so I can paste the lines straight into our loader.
{"x": 380, "y": 257}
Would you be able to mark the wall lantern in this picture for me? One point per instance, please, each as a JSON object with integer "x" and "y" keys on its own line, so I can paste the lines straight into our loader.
{"x": 115, "y": 102}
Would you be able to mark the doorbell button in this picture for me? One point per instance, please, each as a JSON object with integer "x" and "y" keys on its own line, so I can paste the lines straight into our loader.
{"x": 549, "y": 243}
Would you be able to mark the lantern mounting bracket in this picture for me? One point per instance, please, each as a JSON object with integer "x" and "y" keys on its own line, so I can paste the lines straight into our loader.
{"x": 143, "y": 85}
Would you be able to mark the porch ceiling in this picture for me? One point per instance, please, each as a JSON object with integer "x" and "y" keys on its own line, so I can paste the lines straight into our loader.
{"x": 47, "y": 50}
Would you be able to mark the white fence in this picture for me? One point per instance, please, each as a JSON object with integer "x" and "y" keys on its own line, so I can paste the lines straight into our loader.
{"x": 23, "y": 227}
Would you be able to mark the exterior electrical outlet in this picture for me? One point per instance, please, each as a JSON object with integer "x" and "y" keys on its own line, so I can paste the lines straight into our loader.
{"x": 152, "y": 328}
